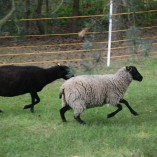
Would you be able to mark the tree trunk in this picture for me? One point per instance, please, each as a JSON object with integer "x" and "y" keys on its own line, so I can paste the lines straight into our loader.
{"x": 27, "y": 23}
{"x": 38, "y": 12}
{"x": 5, "y": 19}
{"x": 75, "y": 12}
{"x": 47, "y": 11}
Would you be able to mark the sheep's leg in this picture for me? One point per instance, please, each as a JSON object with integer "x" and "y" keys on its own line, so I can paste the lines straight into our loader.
{"x": 27, "y": 106}
{"x": 77, "y": 112}
{"x": 62, "y": 112}
{"x": 115, "y": 112}
{"x": 35, "y": 100}
{"x": 79, "y": 119}
{"x": 129, "y": 107}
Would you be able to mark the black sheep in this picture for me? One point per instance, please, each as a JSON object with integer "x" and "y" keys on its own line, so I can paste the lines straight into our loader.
{"x": 18, "y": 80}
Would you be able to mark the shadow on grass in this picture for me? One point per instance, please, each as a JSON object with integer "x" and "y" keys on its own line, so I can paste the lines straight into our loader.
{"x": 124, "y": 119}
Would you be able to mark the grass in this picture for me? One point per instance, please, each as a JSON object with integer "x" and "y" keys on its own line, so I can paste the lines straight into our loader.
{"x": 42, "y": 134}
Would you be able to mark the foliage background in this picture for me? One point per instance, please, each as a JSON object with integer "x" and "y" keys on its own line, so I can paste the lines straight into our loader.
{"x": 28, "y": 9}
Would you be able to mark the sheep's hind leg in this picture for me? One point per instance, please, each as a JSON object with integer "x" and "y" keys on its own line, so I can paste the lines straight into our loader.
{"x": 129, "y": 107}
{"x": 77, "y": 118}
{"x": 1, "y": 111}
{"x": 77, "y": 112}
{"x": 62, "y": 112}
{"x": 35, "y": 100}
{"x": 115, "y": 112}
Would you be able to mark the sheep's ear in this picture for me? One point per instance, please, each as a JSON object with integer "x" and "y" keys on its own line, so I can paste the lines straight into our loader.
{"x": 128, "y": 68}
{"x": 58, "y": 64}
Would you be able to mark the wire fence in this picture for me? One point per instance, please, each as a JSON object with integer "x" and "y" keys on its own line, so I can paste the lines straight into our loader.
{"x": 72, "y": 51}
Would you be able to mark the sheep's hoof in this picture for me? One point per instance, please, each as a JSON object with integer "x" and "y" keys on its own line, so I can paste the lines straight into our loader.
{"x": 1, "y": 111}
{"x": 110, "y": 115}
{"x": 64, "y": 120}
{"x": 27, "y": 106}
{"x": 83, "y": 123}
{"x": 78, "y": 119}
{"x": 32, "y": 110}
{"x": 135, "y": 114}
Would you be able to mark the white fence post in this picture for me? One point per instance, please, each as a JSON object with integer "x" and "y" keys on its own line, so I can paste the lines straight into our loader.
{"x": 110, "y": 34}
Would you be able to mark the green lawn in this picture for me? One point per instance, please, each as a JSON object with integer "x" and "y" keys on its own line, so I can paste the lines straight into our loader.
{"x": 43, "y": 134}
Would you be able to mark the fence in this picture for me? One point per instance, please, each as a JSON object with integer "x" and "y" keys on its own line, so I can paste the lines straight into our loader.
{"x": 48, "y": 53}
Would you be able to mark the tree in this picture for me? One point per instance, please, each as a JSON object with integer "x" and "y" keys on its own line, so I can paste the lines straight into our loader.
{"x": 47, "y": 11}
{"x": 27, "y": 23}
{"x": 38, "y": 13}
{"x": 75, "y": 12}
{"x": 6, "y": 17}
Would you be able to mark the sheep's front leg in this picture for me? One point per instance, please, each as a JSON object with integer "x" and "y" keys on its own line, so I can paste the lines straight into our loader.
{"x": 35, "y": 100}
{"x": 129, "y": 107}
{"x": 115, "y": 112}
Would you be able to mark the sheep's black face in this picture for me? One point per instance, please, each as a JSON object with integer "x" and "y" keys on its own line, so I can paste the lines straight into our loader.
{"x": 66, "y": 72}
{"x": 134, "y": 72}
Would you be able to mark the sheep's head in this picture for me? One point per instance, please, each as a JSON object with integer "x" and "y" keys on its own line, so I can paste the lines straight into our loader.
{"x": 66, "y": 72}
{"x": 134, "y": 72}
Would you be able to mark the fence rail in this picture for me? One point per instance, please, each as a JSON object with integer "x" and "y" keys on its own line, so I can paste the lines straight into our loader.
{"x": 154, "y": 55}
{"x": 87, "y": 16}
{"x": 7, "y": 49}
{"x": 67, "y": 34}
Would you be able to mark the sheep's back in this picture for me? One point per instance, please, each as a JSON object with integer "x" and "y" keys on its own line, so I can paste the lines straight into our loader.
{"x": 17, "y": 80}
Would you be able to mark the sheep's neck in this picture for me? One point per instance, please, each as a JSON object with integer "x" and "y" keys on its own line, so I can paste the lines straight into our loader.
{"x": 52, "y": 74}
{"x": 123, "y": 83}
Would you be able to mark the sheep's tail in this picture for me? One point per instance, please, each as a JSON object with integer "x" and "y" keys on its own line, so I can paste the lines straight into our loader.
{"x": 62, "y": 96}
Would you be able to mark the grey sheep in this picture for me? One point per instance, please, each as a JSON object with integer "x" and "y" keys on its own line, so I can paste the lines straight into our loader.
{"x": 18, "y": 80}
{"x": 87, "y": 91}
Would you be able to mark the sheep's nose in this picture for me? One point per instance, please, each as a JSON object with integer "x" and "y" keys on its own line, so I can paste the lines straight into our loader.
{"x": 141, "y": 78}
